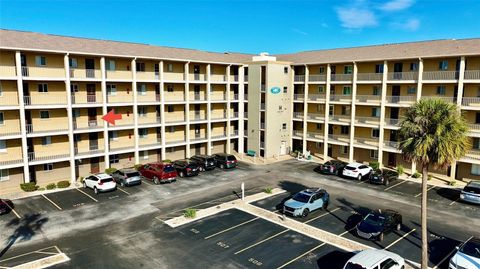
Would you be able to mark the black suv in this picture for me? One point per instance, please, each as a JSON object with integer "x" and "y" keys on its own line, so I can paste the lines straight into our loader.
{"x": 383, "y": 176}
{"x": 186, "y": 168}
{"x": 379, "y": 222}
{"x": 5, "y": 206}
{"x": 205, "y": 162}
{"x": 333, "y": 167}
{"x": 224, "y": 160}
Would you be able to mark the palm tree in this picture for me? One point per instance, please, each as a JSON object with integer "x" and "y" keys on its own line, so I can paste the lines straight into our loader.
{"x": 433, "y": 133}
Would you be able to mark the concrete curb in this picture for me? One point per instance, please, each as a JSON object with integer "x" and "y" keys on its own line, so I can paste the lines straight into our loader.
{"x": 21, "y": 195}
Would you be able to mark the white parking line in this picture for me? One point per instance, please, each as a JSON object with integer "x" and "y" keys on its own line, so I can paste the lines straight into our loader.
{"x": 317, "y": 217}
{"x": 31, "y": 252}
{"x": 231, "y": 228}
{"x": 146, "y": 181}
{"x": 432, "y": 187}
{"x": 57, "y": 206}
{"x": 120, "y": 189}
{"x": 395, "y": 185}
{"x": 455, "y": 201}
{"x": 86, "y": 194}
{"x": 14, "y": 212}
{"x": 264, "y": 240}
{"x": 289, "y": 262}
{"x": 399, "y": 239}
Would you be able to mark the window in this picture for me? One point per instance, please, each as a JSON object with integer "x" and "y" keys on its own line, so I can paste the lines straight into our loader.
{"x": 280, "y": 108}
{"x": 76, "y": 112}
{"x": 411, "y": 90}
{"x": 2, "y": 121}
{"x": 114, "y": 158}
{"x": 318, "y": 145}
{"x": 142, "y": 89}
{"x": 375, "y": 133}
{"x": 285, "y": 89}
{"x": 376, "y": 90}
{"x": 348, "y": 69}
{"x": 113, "y": 135}
{"x": 443, "y": 65}
{"x": 143, "y": 132}
{"x": 73, "y": 63}
{"x": 110, "y": 65}
{"x": 373, "y": 154}
{"x": 344, "y": 130}
{"x": 44, "y": 114}
{"x": 3, "y": 146}
{"x": 111, "y": 89}
{"x": 143, "y": 155}
{"x": 170, "y": 108}
{"x": 46, "y": 140}
{"x": 77, "y": 137}
{"x": 321, "y": 70}
{"x": 413, "y": 66}
{"x": 285, "y": 70}
{"x": 331, "y": 110}
{"x": 476, "y": 143}
{"x": 140, "y": 67}
{"x": 319, "y": 126}
{"x": 48, "y": 167}
{"x": 441, "y": 90}
{"x": 142, "y": 111}
{"x": 347, "y": 90}
{"x": 284, "y": 126}
{"x": 379, "y": 68}
{"x": 40, "y": 61}
{"x": 169, "y": 88}
{"x": 345, "y": 110}
{"x": 42, "y": 87}
{"x": 170, "y": 67}
{"x": 171, "y": 129}
{"x": 321, "y": 89}
{"x": 73, "y": 88}
{"x": 4, "y": 176}
{"x": 387, "y": 264}
{"x": 343, "y": 150}
{"x": 376, "y": 112}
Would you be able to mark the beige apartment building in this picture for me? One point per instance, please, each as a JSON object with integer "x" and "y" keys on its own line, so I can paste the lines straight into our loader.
{"x": 175, "y": 103}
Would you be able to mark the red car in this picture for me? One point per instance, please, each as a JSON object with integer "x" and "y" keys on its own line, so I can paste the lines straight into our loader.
{"x": 158, "y": 172}
{"x": 5, "y": 206}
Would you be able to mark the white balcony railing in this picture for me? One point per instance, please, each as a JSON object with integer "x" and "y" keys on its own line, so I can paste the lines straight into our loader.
{"x": 400, "y": 99}
{"x": 263, "y": 87}
{"x": 262, "y": 125}
{"x": 45, "y": 99}
{"x": 245, "y": 78}
{"x": 298, "y": 97}
{"x": 245, "y": 97}
{"x": 368, "y": 120}
{"x": 8, "y": 130}
{"x": 340, "y": 98}
{"x": 472, "y": 74}
{"x": 7, "y": 71}
{"x": 233, "y": 132}
{"x": 392, "y": 122}
{"x": 473, "y": 154}
{"x": 475, "y": 127}
{"x": 31, "y": 129}
{"x": 341, "y": 77}
{"x": 339, "y": 138}
{"x": 299, "y": 78}
{"x": 316, "y": 116}
{"x": 471, "y": 101}
{"x": 297, "y": 133}
{"x": 298, "y": 115}
{"x": 316, "y": 97}
{"x": 85, "y": 73}
{"x": 88, "y": 99}
{"x": 315, "y": 78}
{"x": 33, "y": 156}
{"x": 368, "y": 98}
{"x": 9, "y": 100}
{"x": 19, "y": 160}
{"x": 262, "y": 145}
{"x": 316, "y": 135}
{"x": 339, "y": 118}
{"x": 391, "y": 144}
{"x": 366, "y": 141}
{"x": 402, "y": 75}
{"x": 440, "y": 75}
{"x": 54, "y": 72}
{"x": 369, "y": 76}
{"x": 262, "y": 106}
{"x": 245, "y": 115}
{"x": 443, "y": 98}
{"x": 217, "y": 136}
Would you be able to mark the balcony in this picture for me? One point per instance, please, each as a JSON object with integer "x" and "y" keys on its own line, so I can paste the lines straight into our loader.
{"x": 402, "y": 76}
{"x": 233, "y": 132}
{"x": 43, "y": 72}
{"x": 9, "y": 100}
{"x": 340, "y": 98}
{"x": 340, "y": 118}
{"x": 299, "y": 97}
{"x": 316, "y": 116}
{"x": 234, "y": 78}
{"x": 8, "y": 71}
{"x": 176, "y": 119}
{"x": 298, "y": 115}
{"x": 172, "y": 97}
{"x": 341, "y": 77}
{"x": 474, "y": 128}
{"x": 17, "y": 161}
{"x": 374, "y": 99}
{"x": 219, "y": 136}
{"x": 316, "y": 78}
{"x": 344, "y": 139}
{"x": 173, "y": 76}
{"x": 148, "y": 98}
{"x": 234, "y": 97}
{"x": 245, "y": 78}
{"x": 197, "y": 117}
{"x": 45, "y": 99}
{"x": 198, "y": 137}
{"x": 443, "y": 98}
{"x": 234, "y": 115}
{"x": 85, "y": 73}
{"x": 31, "y": 130}
{"x": 197, "y": 77}
{"x": 367, "y": 120}
{"x": 218, "y": 78}
{"x": 315, "y": 135}
{"x": 262, "y": 125}
{"x": 400, "y": 99}
{"x": 92, "y": 149}
{"x": 198, "y": 97}
{"x": 297, "y": 133}
{"x": 440, "y": 75}
{"x": 262, "y": 144}
{"x": 150, "y": 144}
{"x": 391, "y": 146}
{"x": 369, "y": 76}
{"x": 262, "y": 88}
{"x": 147, "y": 75}
{"x": 245, "y": 97}
{"x": 471, "y": 101}
{"x": 86, "y": 99}
{"x": 143, "y": 121}
{"x": 114, "y": 149}
{"x": 299, "y": 78}
{"x": 87, "y": 125}
{"x": 218, "y": 115}
{"x": 10, "y": 130}
{"x": 472, "y": 155}
{"x": 369, "y": 142}
{"x": 472, "y": 74}
{"x": 392, "y": 122}
{"x": 317, "y": 97}
{"x": 35, "y": 156}
{"x": 119, "y": 98}
{"x": 245, "y": 115}
{"x": 262, "y": 106}
{"x": 119, "y": 74}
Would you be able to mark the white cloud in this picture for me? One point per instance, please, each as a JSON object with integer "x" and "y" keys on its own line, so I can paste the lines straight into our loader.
{"x": 324, "y": 25}
{"x": 410, "y": 25}
{"x": 298, "y": 31}
{"x": 356, "y": 17}
{"x": 396, "y": 5}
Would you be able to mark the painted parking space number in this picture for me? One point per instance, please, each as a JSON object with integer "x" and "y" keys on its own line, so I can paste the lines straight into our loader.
{"x": 222, "y": 245}
{"x": 195, "y": 231}
{"x": 256, "y": 262}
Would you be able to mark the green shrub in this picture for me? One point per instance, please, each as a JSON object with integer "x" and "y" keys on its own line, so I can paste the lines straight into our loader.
{"x": 63, "y": 184}
{"x": 41, "y": 189}
{"x": 375, "y": 165}
{"x": 452, "y": 182}
{"x": 137, "y": 166}
{"x": 190, "y": 213}
{"x": 110, "y": 170}
{"x": 400, "y": 170}
{"x": 51, "y": 186}
{"x": 429, "y": 177}
{"x": 416, "y": 175}
{"x": 167, "y": 161}
{"x": 268, "y": 190}
{"x": 28, "y": 187}
{"x": 80, "y": 179}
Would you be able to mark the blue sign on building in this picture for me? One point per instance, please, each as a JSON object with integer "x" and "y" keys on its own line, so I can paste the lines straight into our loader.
{"x": 275, "y": 90}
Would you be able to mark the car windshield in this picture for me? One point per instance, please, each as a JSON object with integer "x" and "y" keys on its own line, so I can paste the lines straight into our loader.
{"x": 231, "y": 158}
{"x": 168, "y": 169}
{"x": 133, "y": 174}
{"x": 472, "y": 189}
{"x": 375, "y": 219}
{"x": 301, "y": 197}
{"x": 351, "y": 265}
{"x": 328, "y": 163}
{"x": 471, "y": 248}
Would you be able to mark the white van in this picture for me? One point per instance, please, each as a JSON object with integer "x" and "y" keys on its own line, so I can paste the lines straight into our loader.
{"x": 375, "y": 259}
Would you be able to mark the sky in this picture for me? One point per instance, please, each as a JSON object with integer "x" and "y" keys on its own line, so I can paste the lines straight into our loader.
{"x": 275, "y": 26}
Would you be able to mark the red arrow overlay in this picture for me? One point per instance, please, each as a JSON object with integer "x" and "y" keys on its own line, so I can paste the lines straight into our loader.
{"x": 111, "y": 117}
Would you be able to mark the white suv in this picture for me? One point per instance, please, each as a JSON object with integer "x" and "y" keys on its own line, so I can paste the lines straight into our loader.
{"x": 100, "y": 183}
{"x": 357, "y": 170}
{"x": 375, "y": 259}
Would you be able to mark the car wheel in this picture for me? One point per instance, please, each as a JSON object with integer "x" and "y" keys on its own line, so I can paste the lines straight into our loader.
{"x": 399, "y": 226}
{"x": 380, "y": 237}
{"x": 222, "y": 166}
{"x": 84, "y": 185}
{"x": 359, "y": 178}
{"x": 305, "y": 213}
{"x": 156, "y": 181}
{"x": 95, "y": 190}
{"x": 181, "y": 174}
{"x": 387, "y": 182}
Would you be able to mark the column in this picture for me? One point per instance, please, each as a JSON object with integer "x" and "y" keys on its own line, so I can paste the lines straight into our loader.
{"x": 241, "y": 110}
{"x": 187, "y": 110}
{"x": 382, "y": 113}
{"x": 71, "y": 139}
{"x": 461, "y": 75}
{"x": 135, "y": 109}
{"x": 327, "y": 105}
{"x": 162, "y": 109}
{"x": 209, "y": 110}
{"x": 23, "y": 125}
{"x": 352, "y": 111}
{"x": 104, "y": 111}
{"x": 305, "y": 110}
{"x": 228, "y": 111}
{"x": 420, "y": 77}
{"x": 453, "y": 170}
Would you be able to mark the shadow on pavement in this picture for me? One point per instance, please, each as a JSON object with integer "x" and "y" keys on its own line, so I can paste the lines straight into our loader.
{"x": 334, "y": 260}
{"x": 25, "y": 229}
{"x": 449, "y": 193}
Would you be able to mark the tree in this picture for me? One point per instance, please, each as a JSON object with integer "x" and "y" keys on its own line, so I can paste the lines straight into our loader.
{"x": 433, "y": 133}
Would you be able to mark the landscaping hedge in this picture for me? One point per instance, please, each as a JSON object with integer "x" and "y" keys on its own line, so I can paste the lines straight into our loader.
{"x": 63, "y": 184}
{"x": 51, "y": 186}
{"x": 28, "y": 187}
